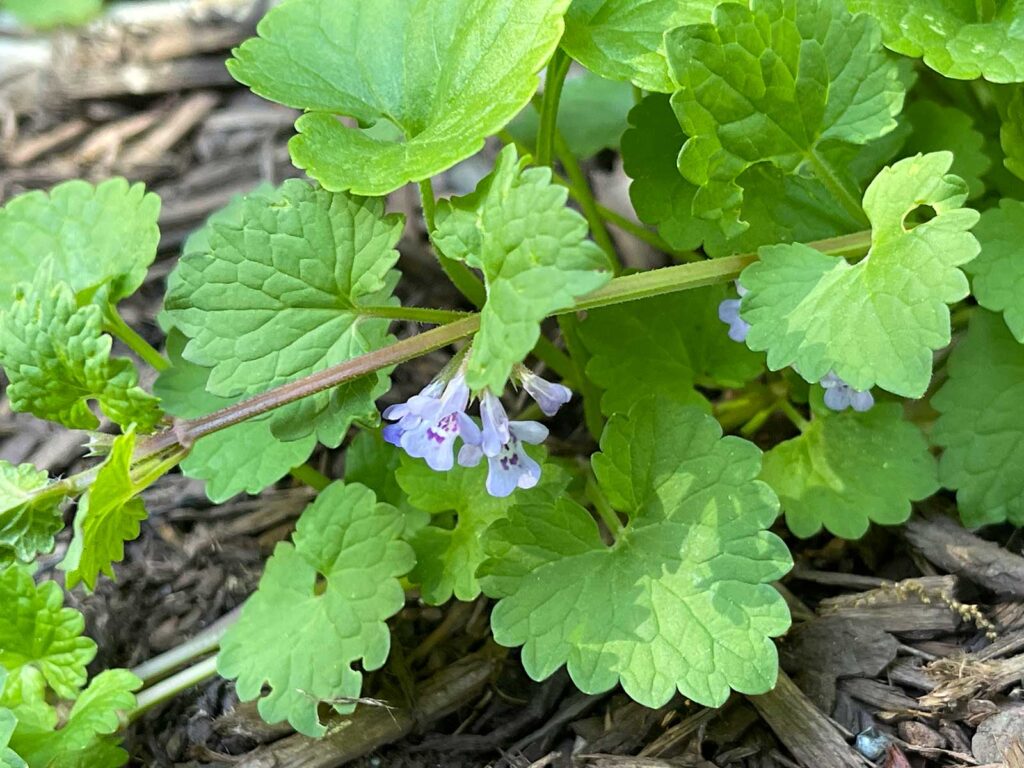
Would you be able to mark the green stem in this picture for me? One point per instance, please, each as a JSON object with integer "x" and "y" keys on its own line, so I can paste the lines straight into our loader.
{"x": 173, "y": 685}
{"x": 415, "y": 314}
{"x": 794, "y": 415}
{"x": 462, "y": 277}
{"x": 554, "y": 79}
{"x": 642, "y": 233}
{"x": 115, "y": 325}
{"x": 827, "y": 176}
{"x": 604, "y": 508}
{"x": 580, "y": 185}
{"x": 311, "y": 476}
{"x": 202, "y": 644}
{"x": 619, "y": 290}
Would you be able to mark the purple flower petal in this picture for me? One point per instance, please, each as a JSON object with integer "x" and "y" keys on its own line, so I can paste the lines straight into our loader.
{"x": 512, "y": 468}
{"x": 470, "y": 455}
{"x": 839, "y": 395}
{"x": 729, "y": 313}
{"x": 495, "y": 423}
{"x": 532, "y": 432}
{"x": 547, "y": 394}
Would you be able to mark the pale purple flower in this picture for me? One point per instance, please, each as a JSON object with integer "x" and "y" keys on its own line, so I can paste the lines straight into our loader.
{"x": 547, "y": 394}
{"x": 428, "y": 423}
{"x": 495, "y": 424}
{"x": 839, "y": 395}
{"x": 511, "y": 467}
{"x": 729, "y": 313}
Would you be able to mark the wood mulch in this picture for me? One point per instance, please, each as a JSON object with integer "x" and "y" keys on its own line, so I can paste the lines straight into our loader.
{"x": 908, "y": 644}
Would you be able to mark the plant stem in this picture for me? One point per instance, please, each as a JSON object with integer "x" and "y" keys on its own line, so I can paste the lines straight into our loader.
{"x": 205, "y": 642}
{"x": 309, "y": 475}
{"x": 580, "y": 185}
{"x": 642, "y": 233}
{"x": 604, "y": 508}
{"x": 115, "y": 325}
{"x": 554, "y": 79}
{"x": 173, "y": 685}
{"x": 827, "y": 176}
{"x": 794, "y": 415}
{"x": 415, "y": 314}
{"x": 619, "y": 290}
{"x": 462, "y": 277}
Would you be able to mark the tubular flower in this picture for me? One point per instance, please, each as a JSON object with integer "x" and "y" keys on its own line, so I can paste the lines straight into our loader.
{"x": 729, "y": 313}
{"x": 839, "y": 395}
{"x": 511, "y": 466}
{"x": 547, "y": 394}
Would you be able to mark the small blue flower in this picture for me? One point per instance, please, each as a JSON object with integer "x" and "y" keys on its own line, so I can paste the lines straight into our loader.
{"x": 428, "y": 423}
{"x": 839, "y": 395}
{"x": 547, "y": 394}
{"x": 729, "y": 313}
{"x": 495, "y": 424}
{"x": 510, "y": 467}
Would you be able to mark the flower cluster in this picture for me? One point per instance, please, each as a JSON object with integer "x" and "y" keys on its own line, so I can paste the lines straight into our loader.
{"x": 427, "y": 424}
{"x": 838, "y": 394}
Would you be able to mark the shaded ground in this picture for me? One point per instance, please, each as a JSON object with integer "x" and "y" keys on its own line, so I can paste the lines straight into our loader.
{"x": 918, "y": 632}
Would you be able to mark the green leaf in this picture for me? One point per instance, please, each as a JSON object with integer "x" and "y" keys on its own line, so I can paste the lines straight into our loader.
{"x": 447, "y": 557}
{"x": 591, "y": 115}
{"x": 776, "y": 83}
{"x": 981, "y": 426}
{"x": 280, "y": 292}
{"x": 372, "y": 461}
{"x": 997, "y": 275}
{"x": 958, "y": 39}
{"x": 108, "y": 515}
{"x": 30, "y": 513}
{"x": 936, "y": 127}
{"x": 875, "y": 322}
{"x": 96, "y": 235}
{"x": 8, "y": 757}
{"x": 52, "y": 13}
{"x": 664, "y": 347}
{"x": 245, "y": 458}
{"x": 778, "y": 207}
{"x": 624, "y": 39}
{"x": 41, "y": 641}
{"x": 1011, "y": 134}
{"x": 849, "y": 469}
{"x": 533, "y": 253}
{"x": 321, "y": 607}
{"x": 682, "y": 601}
{"x": 86, "y": 740}
{"x": 428, "y": 67}
{"x": 57, "y": 359}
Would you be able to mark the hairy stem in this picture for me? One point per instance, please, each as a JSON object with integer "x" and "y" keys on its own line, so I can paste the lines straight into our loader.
{"x": 415, "y": 314}
{"x": 642, "y": 233}
{"x": 115, "y": 325}
{"x": 554, "y": 79}
{"x": 619, "y": 290}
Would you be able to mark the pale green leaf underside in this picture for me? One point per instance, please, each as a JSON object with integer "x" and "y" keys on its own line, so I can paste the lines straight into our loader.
{"x": 276, "y": 295}
{"x": 958, "y": 39}
{"x": 663, "y": 347}
{"x": 850, "y": 469}
{"x": 936, "y": 127}
{"x": 774, "y": 83}
{"x": 57, "y": 360}
{"x": 245, "y": 458}
{"x": 997, "y": 275}
{"x": 41, "y": 641}
{"x": 108, "y": 515}
{"x": 682, "y": 601}
{"x": 29, "y": 516}
{"x": 302, "y": 638}
{"x": 8, "y": 757}
{"x": 981, "y": 426}
{"x": 533, "y": 253}
{"x": 96, "y": 235}
{"x": 876, "y": 322}
{"x": 778, "y": 207}
{"x": 447, "y": 73}
{"x": 624, "y": 39}
{"x": 87, "y": 739}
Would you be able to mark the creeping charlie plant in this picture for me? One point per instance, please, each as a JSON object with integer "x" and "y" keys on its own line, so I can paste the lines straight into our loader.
{"x": 827, "y": 221}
